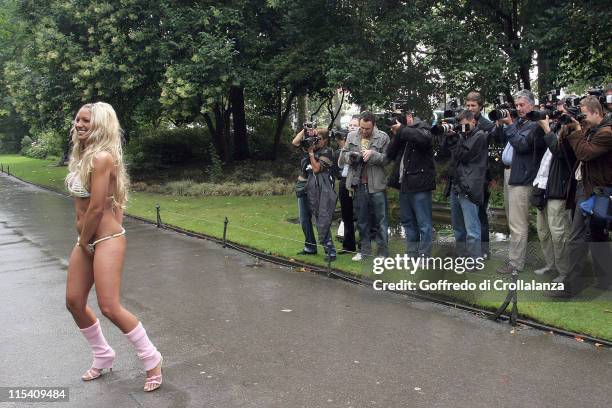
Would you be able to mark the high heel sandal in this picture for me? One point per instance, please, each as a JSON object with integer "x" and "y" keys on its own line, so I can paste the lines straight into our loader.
{"x": 103, "y": 354}
{"x": 93, "y": 373}
{"x": 155, "y": 380}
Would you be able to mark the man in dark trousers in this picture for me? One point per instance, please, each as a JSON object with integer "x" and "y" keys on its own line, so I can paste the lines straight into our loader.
{"x": 474, "y": 103}
{"x": 414, "y": 175}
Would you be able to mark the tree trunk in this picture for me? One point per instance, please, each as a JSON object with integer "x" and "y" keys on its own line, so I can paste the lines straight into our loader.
{"x": 302, "y": 107}
{"x": 241, "y": 141}
{"x": 227, "y": 132}
{"x": 281, "y": 119}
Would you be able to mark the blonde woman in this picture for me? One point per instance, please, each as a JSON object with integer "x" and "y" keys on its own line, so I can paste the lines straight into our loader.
{"x": 99, "y": 183}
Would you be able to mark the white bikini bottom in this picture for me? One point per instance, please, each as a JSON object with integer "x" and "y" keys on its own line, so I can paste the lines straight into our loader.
{"x": 92, "y": 246}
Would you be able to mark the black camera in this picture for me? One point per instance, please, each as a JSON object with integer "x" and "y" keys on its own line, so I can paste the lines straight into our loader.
{"x": 572, "y": 112}
{"x": 551, "y": 97}
{"x": 338, "y": 134}
{"x": 538, "y": 114}
{"x": 309, "y": 139}
{"x": 573, "y": 101}
{"x": 355, "y": 158}
{"x": 502, "y": 109}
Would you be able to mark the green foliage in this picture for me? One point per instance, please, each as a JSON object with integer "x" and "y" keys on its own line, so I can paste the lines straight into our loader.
{"x": 47, "y": 143}
{"x": 152, "y": 149}
{"x": 168, "y": 61}
{"x": 26, "y": 143}
{"x": 189, "y": 188}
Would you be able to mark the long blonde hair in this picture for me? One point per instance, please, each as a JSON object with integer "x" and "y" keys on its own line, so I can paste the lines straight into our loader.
{"x": 105, "y": 135}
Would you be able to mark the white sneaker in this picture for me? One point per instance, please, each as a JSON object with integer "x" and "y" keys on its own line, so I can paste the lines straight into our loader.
{"x": 541, "y": 271}
{"x": 357, "y": 257}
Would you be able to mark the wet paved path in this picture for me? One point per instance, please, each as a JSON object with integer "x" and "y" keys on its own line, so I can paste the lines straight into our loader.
{"x": 229, "y": 339}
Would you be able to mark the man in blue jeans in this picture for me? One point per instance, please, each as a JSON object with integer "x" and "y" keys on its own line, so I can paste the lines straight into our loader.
{"x": 364, "y": 152}
{"x": 414, "y": 175}
{"x": 467, "y": 174}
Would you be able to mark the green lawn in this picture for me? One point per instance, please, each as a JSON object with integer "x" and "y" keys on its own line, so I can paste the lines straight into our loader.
{"x": 268, "y": 224}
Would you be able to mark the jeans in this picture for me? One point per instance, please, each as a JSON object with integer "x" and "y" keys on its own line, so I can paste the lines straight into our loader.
{"x": 367, "y": 205}
{"x": 415, "y": 217}
{"x": 310, "y": 242}
{"x": 466, "y": 225}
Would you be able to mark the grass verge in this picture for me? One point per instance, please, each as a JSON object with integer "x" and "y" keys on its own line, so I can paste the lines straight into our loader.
{"x": 267, "y": 223}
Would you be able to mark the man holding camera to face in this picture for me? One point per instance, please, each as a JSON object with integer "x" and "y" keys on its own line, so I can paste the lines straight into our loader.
{"x": 364, "y": 152}
{"x": 591, "y": 141}
{"x": 474, "y": 103}
{"x": 315, "y": 189}
{"x": 467, "y": 143}
{"x": 526, "y": 139}
{"x": 414, "y": 175}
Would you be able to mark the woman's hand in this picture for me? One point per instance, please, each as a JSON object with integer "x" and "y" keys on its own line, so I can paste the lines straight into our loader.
{"x": 86, "y": 248}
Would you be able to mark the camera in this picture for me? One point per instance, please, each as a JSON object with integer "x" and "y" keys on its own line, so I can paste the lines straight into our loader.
{"x": 572, "y": 112}
{"x": 309, "y": 139}
{"x": 573, "y": 101}
{"x": 397, "y": 113}
{"x": 355, "y": 158}
{"x": 502, "y": 109}
{"x": 538, "y": 114}
{"x": 450, "y": 125}
{"x": 338, "y": 134}
{"x": 551, "y": 97}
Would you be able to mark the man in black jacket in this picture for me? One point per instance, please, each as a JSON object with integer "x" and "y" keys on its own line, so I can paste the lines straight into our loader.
{"x": 554, "y": 218}
{"x": 526, "y": 139}
{"x": 467, "y": 174}
{"x": 414, "y": 175}
{"x": 474, "y": 103}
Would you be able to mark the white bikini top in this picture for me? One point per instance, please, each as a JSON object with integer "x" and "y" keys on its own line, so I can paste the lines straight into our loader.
{"x": 75, "y": 187}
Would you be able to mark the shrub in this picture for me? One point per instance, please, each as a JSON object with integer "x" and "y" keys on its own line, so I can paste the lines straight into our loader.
{"x": 189, "y": 188}
{"x": 153, "y": 150}
{"x": 47, "y": 143}
{"x": 26, "y": 143}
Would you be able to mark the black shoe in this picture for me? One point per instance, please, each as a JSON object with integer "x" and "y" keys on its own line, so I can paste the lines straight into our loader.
{"x": 559, "y": 294}
{"x": 329, "y": 258}
{"x": 505, "y": 269}
{"x": 345, "y": 251}
{"x": 302, "y": 252}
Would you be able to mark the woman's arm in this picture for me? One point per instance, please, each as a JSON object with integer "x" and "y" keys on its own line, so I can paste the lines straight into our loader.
{"x": 100, "y": 178}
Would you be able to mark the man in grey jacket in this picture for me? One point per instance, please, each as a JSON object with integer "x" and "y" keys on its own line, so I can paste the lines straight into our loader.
{"x": 365, "y": 153}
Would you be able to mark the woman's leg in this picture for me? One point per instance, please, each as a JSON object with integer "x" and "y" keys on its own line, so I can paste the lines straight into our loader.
{"x": 108, "y": 266}
{"x": 78, "y": 284}
{"x": 107, "y": 269}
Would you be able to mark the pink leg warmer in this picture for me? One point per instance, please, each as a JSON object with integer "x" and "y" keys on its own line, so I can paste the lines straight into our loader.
{"x": 144, "y": 348}
{"x": 103, "y": 354}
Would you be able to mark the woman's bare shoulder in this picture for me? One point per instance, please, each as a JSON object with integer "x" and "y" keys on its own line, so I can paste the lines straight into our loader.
{"x": 103, "y": 161}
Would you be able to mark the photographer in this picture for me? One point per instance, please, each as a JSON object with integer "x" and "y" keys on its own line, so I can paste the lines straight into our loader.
{"x": 553, "y": 181}
{"x": 591, "y": 141}
{"x": 474, "y": 103}
{"x": 318, "y": 197}
{"x": 365, "y": 154}
{"x": 414, "y": 175}
{"x": 528, "y": 146}
{"x": 467, "y": 174}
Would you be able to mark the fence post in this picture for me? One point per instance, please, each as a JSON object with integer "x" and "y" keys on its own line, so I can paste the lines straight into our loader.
{"x": 8, "y": 169}
{"x": 159, "y": 220}
{"x": 1, "y": 168}
{"x": 225, "y": 222}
